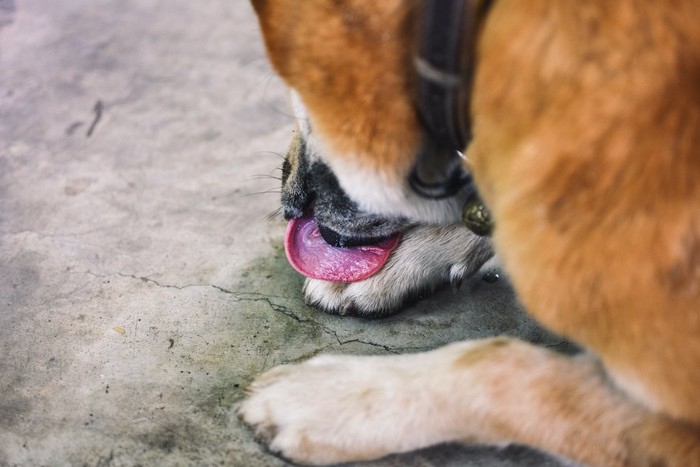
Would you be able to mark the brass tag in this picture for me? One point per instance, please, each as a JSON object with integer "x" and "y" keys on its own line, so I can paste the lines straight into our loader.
{"x": 477, "y": 217}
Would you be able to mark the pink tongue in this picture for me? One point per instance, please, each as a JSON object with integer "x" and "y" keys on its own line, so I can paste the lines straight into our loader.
{"x": 309, "y": 254}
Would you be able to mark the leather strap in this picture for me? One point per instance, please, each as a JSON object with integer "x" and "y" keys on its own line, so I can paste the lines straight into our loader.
{"x": 445, "y": 66}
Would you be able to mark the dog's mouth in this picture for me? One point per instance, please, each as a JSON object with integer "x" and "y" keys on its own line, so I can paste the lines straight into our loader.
{"x": 320, "y": 253}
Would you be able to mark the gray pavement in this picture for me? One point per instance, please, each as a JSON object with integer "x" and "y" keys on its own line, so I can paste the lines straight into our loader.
{"x": 142, "y": 284}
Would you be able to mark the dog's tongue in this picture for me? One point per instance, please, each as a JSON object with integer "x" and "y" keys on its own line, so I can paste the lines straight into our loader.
{"x": 309, "y": 254}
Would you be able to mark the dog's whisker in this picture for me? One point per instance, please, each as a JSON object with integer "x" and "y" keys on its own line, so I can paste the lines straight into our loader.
{"x": 279, "y": 111}
{"x": 265, "y": 176}
{"x": 275, "y": 215}
{"x": 270, "y": 152}
{"x": 270, "y": 191}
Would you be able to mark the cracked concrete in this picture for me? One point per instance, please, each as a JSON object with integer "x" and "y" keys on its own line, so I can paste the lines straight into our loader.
{"x": 142, "y": 282}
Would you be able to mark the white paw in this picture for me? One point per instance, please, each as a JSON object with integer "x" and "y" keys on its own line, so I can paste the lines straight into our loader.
{"x": 427, "y": 258}
{"x": 341, "y": 408}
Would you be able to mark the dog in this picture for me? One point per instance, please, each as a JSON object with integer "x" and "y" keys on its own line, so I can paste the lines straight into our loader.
{"x": 585, "y": 120}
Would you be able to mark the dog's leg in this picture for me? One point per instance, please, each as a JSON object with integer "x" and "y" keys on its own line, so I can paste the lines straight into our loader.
{"x": 428, "y": 257}
{"x": 343, "y": 408}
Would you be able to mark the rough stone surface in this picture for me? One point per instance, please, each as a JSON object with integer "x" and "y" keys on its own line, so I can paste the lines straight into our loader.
{"x": 142, "y": 283}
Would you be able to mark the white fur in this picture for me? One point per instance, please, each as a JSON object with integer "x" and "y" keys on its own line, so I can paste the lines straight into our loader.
{"x": 300, "y": 113}
{"x": 376, "y": 405}
{"x": 374, "y": 194}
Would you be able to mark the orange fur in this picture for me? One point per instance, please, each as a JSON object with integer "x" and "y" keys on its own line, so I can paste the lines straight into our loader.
{"x": 591, "y": 152}
{"x": 353, "y": 65}
{"x": 587, "y": 150}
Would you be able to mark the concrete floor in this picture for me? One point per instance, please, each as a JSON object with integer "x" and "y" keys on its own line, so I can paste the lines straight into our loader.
{"x": 142, "y": 285}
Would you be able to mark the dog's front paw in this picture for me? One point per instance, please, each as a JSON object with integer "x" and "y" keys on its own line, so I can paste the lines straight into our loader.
{"x": 334, "y": 409}
{"x": 371, "y": 298}
{"x": 427, "y": 258}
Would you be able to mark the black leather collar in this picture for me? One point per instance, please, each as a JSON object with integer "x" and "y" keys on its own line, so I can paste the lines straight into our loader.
{"x": 445, "y": 65}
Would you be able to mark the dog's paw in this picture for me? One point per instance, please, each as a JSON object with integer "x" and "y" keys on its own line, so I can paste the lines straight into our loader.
{"x": 427, "y": 258}
{"x": 334, "y": 409}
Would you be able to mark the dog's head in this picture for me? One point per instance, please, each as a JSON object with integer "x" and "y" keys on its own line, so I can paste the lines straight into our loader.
{"x": 360, "y": 140}
{"x": 350, "y": 66}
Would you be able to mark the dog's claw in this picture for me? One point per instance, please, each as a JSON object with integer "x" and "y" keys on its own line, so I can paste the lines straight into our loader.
{"x": 347, "y": 309}
{"x": 456, "y": 283}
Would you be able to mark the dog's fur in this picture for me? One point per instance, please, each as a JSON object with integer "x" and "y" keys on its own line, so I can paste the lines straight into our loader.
{"x": 586, "y": 120}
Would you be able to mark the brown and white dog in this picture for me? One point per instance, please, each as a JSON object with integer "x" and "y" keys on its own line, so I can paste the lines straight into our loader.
{"x": 586, "y": 148}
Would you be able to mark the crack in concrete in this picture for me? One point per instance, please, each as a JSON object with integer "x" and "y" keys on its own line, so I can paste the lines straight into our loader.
{"x": 255, "y": 297}
{"x": 288, "y": 312}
